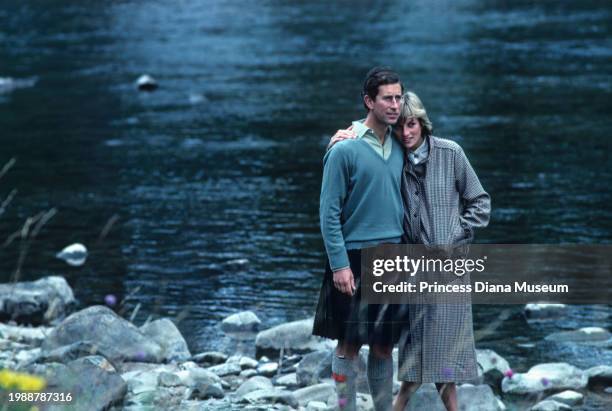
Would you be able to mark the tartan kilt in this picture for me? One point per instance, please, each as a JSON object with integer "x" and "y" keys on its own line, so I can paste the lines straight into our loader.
{"x": 343, "y": 317}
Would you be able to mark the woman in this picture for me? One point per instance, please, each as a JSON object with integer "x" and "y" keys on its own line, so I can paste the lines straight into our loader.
{"x": 443, "y": 203}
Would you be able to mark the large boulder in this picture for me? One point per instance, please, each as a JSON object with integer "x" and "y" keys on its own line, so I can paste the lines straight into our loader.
{"x": 242, "y": 322}
{"x": 313, "y": 367}
{"x": 295, "y": 336}
{"x": 36, "y": 302}
{"x": 92, "y": 382}
{"x": 165, "y": 333}
{"x": 470, "y": 398}
{"x": 545, "y": 377}
{"x": 110, "y": 335}
{"x": 540, "y": 311}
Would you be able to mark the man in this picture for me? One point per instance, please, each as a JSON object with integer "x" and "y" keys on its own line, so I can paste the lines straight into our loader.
{"x": 361, "y": 206}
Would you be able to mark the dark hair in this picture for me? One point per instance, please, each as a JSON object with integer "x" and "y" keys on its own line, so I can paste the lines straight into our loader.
{"x": 378, "y": 76}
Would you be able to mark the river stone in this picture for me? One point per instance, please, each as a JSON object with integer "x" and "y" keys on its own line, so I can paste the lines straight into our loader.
{"x": 36, "y": 302}
{"x": 470, "y": 397}
{"x": 544, "y": 377}
{"x": 253, "y": 384}
{"x": 318, "y": 392}
{"x": 568, "y": 397}
{"x": 295, "y": 336}
{"x": 313, "y": 367}
{"x": 271, "y": 396}
{"x": 548, "y": 405}
{"x": 165, "y": 333}
{"x": 146, "y": 83}
{"x": 248, "y": 373}
{"x": 28, "y": 335}
{"x": 242, "y": 322}
{"x": 92, "y": 387}
{"x": 210, "y": 358}
{"x": 582, "y": 335}
{"x": 114, "y": 337}
{"x": 205, "y": 391}
{"x": 223, "y": 370}
{"x": 600, "y": 375}
{"x": 168, "y": 379}
{"x": 246, "y": 363}
{"x": 492, "y": 366}
{"x": 544, "y": 310}
{"x": 316, "y": 406}
{"x": 288, "y": 380}
{"x": 268, "y": 370}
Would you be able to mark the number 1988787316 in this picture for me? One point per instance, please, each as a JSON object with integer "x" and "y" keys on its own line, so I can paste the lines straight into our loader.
{"x": 40, "y": 397}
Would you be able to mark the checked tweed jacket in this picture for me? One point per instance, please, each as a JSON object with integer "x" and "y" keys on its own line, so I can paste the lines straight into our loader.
{"x": 443, "y": 203}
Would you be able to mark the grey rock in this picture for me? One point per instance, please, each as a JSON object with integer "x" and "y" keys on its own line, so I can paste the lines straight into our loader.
{"x": 492, "y": 367}
{"x": 165, "y": 333}
{"x": 268, "y": 370}
{"x": 67, "y": 353}
{"x": 545, "y": 310}
{"x": 288, "y": 380}
{"x": 582, "y": 335}
{"x": 568, "y": 397}
{"x": 28, "y": 335}
{"x": 248, "y": 373}
{"x": 92, "y": 387}
{"x": 223, "y": 370}
{"x": 242, "y": 322}
{"x": 317, "y": 406}
{"x": 548, "y": 405}
{"x": 253, "y": 384}
{"x": 36, "y": 302}
{"x": 146, "y": 83}
{"x": 112, "y": 336}
{"x": 195, "y": 376}
{"x": 246, "y": 362}
{"x": 318, "y": 392}
{"x": 294, "y": 337}
{"x": 168, "y": 379}
{"x": 600, "y": 375}
{"x": 204, "y": 391}
{"x": 271, "y": 396}
{"x": 210, "y": 358}
{"x": 545, "y": 377}
{"x": 471, "y": 398}
{"x": 313, "y": 367}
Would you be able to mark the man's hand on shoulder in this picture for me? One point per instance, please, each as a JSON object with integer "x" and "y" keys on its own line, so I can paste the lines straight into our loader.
{"x": 344, "y": 281}
{"x": 340, "y": 135}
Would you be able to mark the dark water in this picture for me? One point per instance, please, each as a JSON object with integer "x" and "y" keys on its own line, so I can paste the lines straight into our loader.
{"x": 223, "y": 161}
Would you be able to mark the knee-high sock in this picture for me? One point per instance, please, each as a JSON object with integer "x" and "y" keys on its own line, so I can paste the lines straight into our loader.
{"x": 344, "y": 373}
{"x": 380, "y": 380}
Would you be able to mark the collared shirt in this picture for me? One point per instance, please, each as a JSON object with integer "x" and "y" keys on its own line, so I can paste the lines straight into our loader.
{"x": 420, "y": 154}
{"x": 366, "y": 133}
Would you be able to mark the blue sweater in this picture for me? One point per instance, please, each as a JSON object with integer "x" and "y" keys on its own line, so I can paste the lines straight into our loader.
{"x": 361, "y": 202}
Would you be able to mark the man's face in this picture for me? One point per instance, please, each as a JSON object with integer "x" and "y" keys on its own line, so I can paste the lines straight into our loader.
{"x": 386, "y": 106}
{"x": 410, "y": 133}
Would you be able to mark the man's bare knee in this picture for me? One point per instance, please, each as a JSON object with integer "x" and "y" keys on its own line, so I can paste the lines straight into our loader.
{"x": 347, "y": 350}
{"x": 381, "y": 351}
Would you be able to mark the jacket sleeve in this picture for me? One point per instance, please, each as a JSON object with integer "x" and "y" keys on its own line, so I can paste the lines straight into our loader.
{"x": 334, "y": 189}
{"x": 476, "y": 201}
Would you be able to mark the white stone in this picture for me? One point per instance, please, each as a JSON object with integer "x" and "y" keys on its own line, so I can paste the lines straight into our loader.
{"x": 245, "y": 321}
{"x": 543, "y": 377}
{"x": 568, "y": 397}
{"x": 548, "y": 405}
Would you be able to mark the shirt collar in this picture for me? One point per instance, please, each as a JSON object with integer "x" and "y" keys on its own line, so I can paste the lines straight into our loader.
{"x": 364, "y": 131}
{"x": 420, "y": 154}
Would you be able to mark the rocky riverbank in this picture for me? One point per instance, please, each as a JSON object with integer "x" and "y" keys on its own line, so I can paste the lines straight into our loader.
{"x": 106, "y": 362}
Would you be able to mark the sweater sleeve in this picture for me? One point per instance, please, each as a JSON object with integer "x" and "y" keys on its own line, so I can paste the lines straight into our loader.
{"x": 476, "y": 201}
{"x": 334, "y": 190}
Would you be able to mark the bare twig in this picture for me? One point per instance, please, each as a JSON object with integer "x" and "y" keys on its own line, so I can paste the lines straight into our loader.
{"x": 7, "y": 167}
{"x": 7, "y": 201}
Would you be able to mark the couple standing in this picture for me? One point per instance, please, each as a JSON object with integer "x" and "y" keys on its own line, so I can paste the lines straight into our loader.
{"x": 387, "y": 180}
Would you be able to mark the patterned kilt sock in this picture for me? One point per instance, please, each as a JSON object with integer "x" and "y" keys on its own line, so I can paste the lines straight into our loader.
{"x": 344, "y": 373}
{"x": 380, "y": 380}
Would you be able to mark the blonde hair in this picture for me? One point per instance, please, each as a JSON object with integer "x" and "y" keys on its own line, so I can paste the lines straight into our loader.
{"x": 413, "y": 107}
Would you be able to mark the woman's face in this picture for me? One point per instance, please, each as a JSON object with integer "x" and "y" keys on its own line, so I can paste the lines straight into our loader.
{"x": 410, "y": 133}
